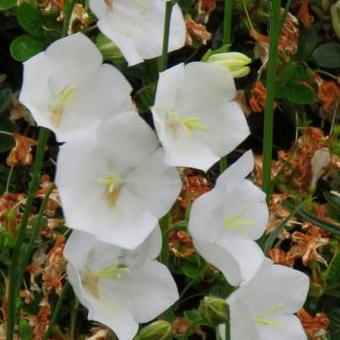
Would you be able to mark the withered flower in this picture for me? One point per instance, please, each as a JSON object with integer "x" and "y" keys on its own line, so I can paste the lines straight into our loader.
{"x": 315, "y": 326}
{"x": 197, "y": 31}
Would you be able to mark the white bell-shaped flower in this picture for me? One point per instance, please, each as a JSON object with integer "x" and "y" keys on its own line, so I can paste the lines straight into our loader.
{"x": 113, "y": 181}
{"x": 225, "y": 221}
{"x": 69, "y": 90}
{"x": 196, "y": 117}
{"x": 137, "y": 26}
{"x": 264, "y": 307}
{"x": 120, "y": 287}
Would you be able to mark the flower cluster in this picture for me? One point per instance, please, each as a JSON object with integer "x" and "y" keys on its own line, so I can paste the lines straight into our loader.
{"x": 117, "y": 177}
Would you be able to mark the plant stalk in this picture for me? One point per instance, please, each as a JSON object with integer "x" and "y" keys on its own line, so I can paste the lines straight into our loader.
{"x": 275, "y": 29}
{"x": 163, "y": 62}
{"x": 14, "y": 285}
{"x": 228, "y": 11}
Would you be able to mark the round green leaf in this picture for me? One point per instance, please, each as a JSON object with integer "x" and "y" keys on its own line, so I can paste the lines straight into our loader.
{"x": 192, "y": 270}
{"x": 25, "y": 47}
{"x": 5, "y": 98}
{"x": 327, "y": 56}
{"x": 30, "y": 20}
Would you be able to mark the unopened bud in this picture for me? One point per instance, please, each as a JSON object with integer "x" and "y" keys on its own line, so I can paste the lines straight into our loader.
{"x": 335, "y": 12}
{"x": 235, "y": 62}
{"x": 158, "y": 330}
{"x": 214, "y": 310}
{"x": 108, "y": 48}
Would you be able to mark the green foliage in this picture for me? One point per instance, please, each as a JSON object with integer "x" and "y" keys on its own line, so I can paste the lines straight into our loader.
{"x": 7, "y": 4}
{"x": 5, "y": 98}
{"x": 327, "y": 56}
{"x": 25, "y": 47}
{"x": 31, "y": 20}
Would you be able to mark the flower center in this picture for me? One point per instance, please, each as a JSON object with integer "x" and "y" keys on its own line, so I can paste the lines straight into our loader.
{"x": 90, "y": 279}
{"x": 235, "y": 222}
{"x": 57, "y": 105}
{"x": 189, "y": 125}
{"x": 113, "y": 186}
{"x": 262, "y": 318}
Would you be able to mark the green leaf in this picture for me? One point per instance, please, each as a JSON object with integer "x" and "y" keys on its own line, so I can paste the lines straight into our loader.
{"x": 5, "y": 98}
{"x": 30, "y": 20}
{"x": 327, "y": 56}
{"x": 298, "y": 93}
{"x": 25, "y": 330}
{"x": 308, "y": 42}
{"x": 6, "y": 141}
{"x": 333, "y": 272}
{"x": 7, "y": 4}
{"x": 276, "y": 232}
{"x": 193, "y": 315}
{"x": 292, "y": 73}
{"x": 193, "y": 270}
{"x": 25, "y": 47}
{"x": 145, "y": 97}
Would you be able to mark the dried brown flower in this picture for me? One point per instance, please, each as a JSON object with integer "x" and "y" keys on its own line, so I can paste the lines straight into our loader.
{"x": 196, "y": 31}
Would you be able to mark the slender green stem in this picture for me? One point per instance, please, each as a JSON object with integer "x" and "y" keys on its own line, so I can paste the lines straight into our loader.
{"x": 163, "y": 62}
{"x": 275, "y": 29}
{"x": 73, "y": 321}
{"x": 14, "y": 285}
{"x": 68, "y": 9}
{"x": 35, "y": 231}
{"x": 228, "y": 11}
{"x": 165, "y": 224}
{"x": 56, "y": 310}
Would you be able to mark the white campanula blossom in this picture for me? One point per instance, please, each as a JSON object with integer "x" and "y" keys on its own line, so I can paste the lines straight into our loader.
{"x": 225, "y": 221}
{"x": 120, "y": 287}
{"x": 137, "y": 26}
{"x": 69, "y": 90}
{"x": 263, "y": 308}
{"x": 195, "y": 114}
{"x": 114, "y": 183}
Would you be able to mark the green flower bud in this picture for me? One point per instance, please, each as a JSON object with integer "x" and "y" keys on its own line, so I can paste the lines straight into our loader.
{"x": 316, "y": 290}
{"x": 214, "y": 310}
{"x": 108, "y": 48}
{"x": 235, "y": 62}
{"x": 158, "y": 330}
{"x": 335, "y": 12}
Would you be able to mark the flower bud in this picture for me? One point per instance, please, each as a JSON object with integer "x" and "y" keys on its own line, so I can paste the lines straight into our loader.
{"x": 158, "y": 330}
{"x": 214, "y": 310}
{"x": 335, "y": 12}
{"x": 235, "y": 62}
{"x": 108, "y": 48}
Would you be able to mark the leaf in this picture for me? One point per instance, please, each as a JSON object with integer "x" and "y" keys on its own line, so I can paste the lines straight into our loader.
{"x": 193, "y": 315}
{"x": 308, "y": 42}
{"x": 292, "y": 73}
{"x": 192, "y": 270}
{"x": 327, "y": 56}
{"x": 145, "y": 97}
{"x": 333, "y": 272}
{"x": 5, "y": 98}
{"x": 25, "y": 47}
{"x": 25, "y": 330}
{"x": 298, "y": 93}
{"x": 6, "y": 141}
{"x": 30, "y": 20}
{"x": 276, "y": 232}
{"x": 7, "y": 4}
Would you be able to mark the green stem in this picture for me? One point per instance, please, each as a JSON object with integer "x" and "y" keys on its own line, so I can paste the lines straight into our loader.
{"x": 68, "y": 9}
{"x": 228, "y": 11}
{"x": 35, "y": 231}
{"x": 56, "y": 310}
{"x": 74, "y": 319}
{"x": 275, "y": 29}
{"x": 165, "y": 224}
{"x": 14, "y": 285}
{"x": 163, "y": 62}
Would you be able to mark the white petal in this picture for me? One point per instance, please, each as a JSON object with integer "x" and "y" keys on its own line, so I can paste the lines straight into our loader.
{"x": 137, "y": 27}
{"x": 275, "y": 285}
{"x": 237, "y": 259}
{"x": 241, "y": 324}
{"x": 160, "y": 186}
{"x": 146, "y": 292}
{"x": 291, "y": 329}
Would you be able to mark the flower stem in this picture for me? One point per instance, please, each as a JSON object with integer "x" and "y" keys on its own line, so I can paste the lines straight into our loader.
{"x": 68, "y": 9}
{"x": 275, "y": 28}
{"x": 14, "y": 285}
{"x": 163, "y": 62}
{"x": 228, "y": 11}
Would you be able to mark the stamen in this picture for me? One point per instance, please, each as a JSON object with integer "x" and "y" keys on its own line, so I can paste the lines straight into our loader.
{"x": 189, "y": 125}
{"x": 235, "y": 222}
{"x": 58, "y": 104}
{"x": 113, "y": 272}
{"x": 113, "y": 187}
{"x": 260, "y": 318}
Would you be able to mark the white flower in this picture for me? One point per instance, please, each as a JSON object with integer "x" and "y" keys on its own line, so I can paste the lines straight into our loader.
{"x": 68, "y": 89}
{"x": 196, "y": 117}
{"x": 113, "y": 181}
{"x": 225, "y": 221}
{"x": 137, "y": 26}
{"x": 120, "y": 287}
{"x": 263, "y": 308}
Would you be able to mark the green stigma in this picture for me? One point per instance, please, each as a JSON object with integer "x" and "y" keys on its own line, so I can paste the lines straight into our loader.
{"x": 261, "y": 318}
{"x": 57, "y": 106}
{"x": 189, "y": 125}
{"x": 113, "y": 186}
{"x": 113, "y": 272}
{"x": 235, "y": 222}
